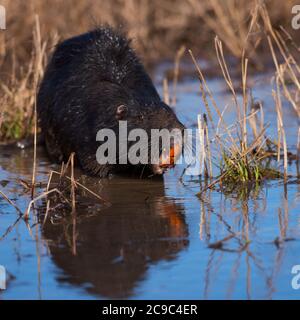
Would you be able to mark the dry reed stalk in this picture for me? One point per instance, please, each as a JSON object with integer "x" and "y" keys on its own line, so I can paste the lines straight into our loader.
{"x": 62, "y": 169}
{"x": 47, "y": 211}
{"x": 83, "y": 187}
{"x": 11, "y": 203}
{"x": 278, "y": 105}
{"x": 226, "y": 75}
{"x": 279, "y": 79}
{"x": 262, "y": 117}
{"x": 61, "y": 191}
{"x": 278, "y": 136}
{"x": 256, "y": 144}
{"x": 253, "y": 122}
{"x": 74, "y": 234}
{"x": 298, "y": 153}
{"x": 74, "y": 214}
{"x": 178, "y": 57}
{"x": 73, "y": 183}
{"x": 245, "y": 102}
{"x": 39, "y": 71}
{"x": 33, "y": 179}
{"x": 10, "y": 228}
{"x": 291, "y": 40}
{"x": 66, "y": 166}
{"x": 227, "y": 19}
{"x": 202, "y": 220}
{"x": 235, "y": 151}
{"x": 288, "y": 53}
{"x": 1, "y": 119}
{"x": 49, "y": 180}
{"x": 252, "y": 119}
{"x": 2, "y": 47}
{"x": 204, "y": 88}
{"x": 208, "y": 150}
{"x": 216, "y": 181}
{"x": 166, "y": 93}
{"x": 41, "y": 196}
{"x": 37, "y": 248}
{"x": 202, "y": 155}
{"x": 219, "y": 244}
{"x": 40, "y": 52}
{"x": 287, "y": 56}
{"x": 203, "y": 93}
{"x": 280, "y": 69}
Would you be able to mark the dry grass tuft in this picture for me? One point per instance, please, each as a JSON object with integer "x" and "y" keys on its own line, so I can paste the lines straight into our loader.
{"x": 242, "y": 160}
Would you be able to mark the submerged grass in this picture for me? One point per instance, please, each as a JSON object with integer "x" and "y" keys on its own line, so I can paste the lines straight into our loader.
{"x": 245, "y": 170}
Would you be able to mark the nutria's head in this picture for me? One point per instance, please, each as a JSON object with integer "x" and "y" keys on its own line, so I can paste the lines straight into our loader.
{"x": 148, "y": 117}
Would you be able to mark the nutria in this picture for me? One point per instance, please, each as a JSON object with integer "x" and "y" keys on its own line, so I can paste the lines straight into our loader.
{"x": 93, "y": 81}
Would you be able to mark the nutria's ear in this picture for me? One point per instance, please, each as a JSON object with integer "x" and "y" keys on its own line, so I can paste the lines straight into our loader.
{"x": 121, "y": 112}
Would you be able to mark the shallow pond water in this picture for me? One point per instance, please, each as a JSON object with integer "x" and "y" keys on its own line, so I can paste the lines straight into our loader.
{"x": 157, "y": 239}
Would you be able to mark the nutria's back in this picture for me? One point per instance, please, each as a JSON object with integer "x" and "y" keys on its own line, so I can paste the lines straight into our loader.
{"x": 92, "y": 81}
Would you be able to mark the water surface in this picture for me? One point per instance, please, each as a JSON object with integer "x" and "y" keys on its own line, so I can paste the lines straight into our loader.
{"x": 157, "y": 239}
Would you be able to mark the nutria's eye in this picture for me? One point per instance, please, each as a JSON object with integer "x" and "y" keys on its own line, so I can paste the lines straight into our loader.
{"x": 121, "y": 112}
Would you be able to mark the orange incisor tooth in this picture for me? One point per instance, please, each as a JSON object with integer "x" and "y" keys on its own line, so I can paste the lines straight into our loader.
{"x": 169, "y": 159}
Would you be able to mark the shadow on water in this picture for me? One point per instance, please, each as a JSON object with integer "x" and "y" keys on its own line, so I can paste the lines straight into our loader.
{"x": 115, "y": 247}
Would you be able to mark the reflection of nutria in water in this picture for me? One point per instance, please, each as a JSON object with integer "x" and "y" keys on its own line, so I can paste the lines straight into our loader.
{"x": 93, "y": 81}
{"x": 114, "y": 248}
